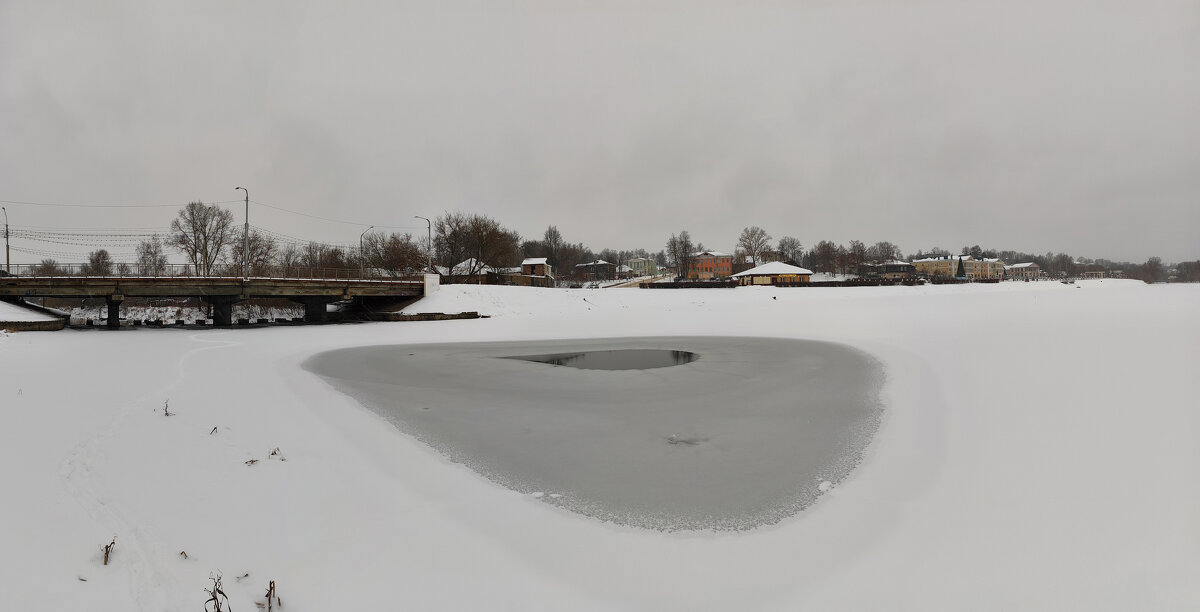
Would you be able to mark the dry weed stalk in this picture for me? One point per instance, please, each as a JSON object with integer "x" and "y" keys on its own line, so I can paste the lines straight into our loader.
{"x": 272, "y": 594}
{"x": 217, "y": 600}
{"x": 108, "y": 549}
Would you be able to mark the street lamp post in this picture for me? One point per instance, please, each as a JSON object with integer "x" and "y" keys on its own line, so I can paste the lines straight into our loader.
{"x": 362, "y": 259}
{"x": 7, "y": 264}
{"x": 428, "y": 241}
{"x": 246, "y": 237}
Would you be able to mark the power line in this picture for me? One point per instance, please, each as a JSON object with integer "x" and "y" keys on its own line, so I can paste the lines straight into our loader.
{"x": 62, "y": 205}
{"x": 286, "y": 239}
{"x": 176, "y": 205}
{"x": 157, "y": 230}
{"x": 56, "y": 253}
{"x": 282, "y": 209}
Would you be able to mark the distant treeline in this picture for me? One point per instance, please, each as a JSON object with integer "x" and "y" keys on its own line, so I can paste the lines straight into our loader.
{"x": 214, "y": 244}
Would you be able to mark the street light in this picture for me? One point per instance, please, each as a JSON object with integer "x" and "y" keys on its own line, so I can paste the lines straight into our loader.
{"x": 7, "y": 265}
{"x": 246, "y": 237}
{"x": 429, "y": 241}
{"x": 362, "y": 260}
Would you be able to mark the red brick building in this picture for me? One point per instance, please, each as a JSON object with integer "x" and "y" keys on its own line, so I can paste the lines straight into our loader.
{"x": 708, "y": 265}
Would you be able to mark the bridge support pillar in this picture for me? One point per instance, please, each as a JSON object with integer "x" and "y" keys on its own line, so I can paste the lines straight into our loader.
{"x": 222, "y": 309}
{"x": 314, "y": 308}
{"x": 114, "y": 309}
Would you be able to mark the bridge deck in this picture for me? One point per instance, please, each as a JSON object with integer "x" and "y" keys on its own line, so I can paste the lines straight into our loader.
{"x": 206, "y": 286}
{"x": 219, "y": 291}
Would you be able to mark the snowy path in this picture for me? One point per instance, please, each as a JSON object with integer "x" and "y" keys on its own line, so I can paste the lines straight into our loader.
{"x": 1040, "y": 450}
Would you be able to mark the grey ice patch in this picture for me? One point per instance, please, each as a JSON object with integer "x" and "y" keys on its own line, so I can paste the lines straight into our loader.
{"x": 750, "y": 433}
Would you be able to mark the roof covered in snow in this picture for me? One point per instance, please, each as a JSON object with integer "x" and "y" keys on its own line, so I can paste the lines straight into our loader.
{"x": 944, "y": 258}
{"x": 469, "y": 266}
{"x": 773, "y": 268}
{"x": 533, "y": 261}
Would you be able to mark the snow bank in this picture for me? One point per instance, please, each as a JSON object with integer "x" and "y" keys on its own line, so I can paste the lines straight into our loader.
{"x": 19, "y": 314}
{"x": 1039, "y": 450}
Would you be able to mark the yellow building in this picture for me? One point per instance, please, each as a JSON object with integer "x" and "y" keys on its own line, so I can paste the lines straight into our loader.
{"x": 774, "y": 273}
{"x": 946, "y": 266}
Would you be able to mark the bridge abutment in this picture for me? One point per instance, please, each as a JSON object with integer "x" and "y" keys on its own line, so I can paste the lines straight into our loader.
{"x": 222, "y": 309}
{"x": 114, "y": 309}
{"x": 315, "y": 310}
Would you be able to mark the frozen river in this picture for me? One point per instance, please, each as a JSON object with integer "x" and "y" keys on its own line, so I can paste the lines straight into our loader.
{"x": 748, "y": 433}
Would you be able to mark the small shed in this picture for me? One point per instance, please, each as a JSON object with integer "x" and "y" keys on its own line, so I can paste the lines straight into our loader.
{"x": 535, "y": 266}
{"x": 774, "y": 273}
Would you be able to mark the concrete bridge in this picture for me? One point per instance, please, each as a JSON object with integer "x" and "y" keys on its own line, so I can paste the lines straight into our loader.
{"x": 221, "y": 292}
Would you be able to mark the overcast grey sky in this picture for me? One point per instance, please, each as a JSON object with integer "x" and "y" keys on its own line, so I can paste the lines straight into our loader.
{"x": 1067, "y": 126}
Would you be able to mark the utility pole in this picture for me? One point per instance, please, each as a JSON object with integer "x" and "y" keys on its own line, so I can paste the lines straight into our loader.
{"x": 362, "y": 260}
{"x": 246, "y": 238}
{"x": 7, "y": 263}
{"x": 429, "y": 241}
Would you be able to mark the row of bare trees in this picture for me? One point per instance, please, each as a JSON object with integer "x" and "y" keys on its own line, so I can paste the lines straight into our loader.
{"x": 207, "y": 236}
{"x": 213, "y": 244}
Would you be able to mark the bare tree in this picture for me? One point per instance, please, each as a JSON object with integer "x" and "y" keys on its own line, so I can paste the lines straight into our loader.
{"x": 201, "y": 232}
{"x": 790, "y": 249}
{"x": 1063, "y": 264}
{"x": 151, "y": 260}
{"x": 857, "y": 254}
{"x": 99, "y": 263}
{"x": 450, "y": 239}
{"x": 571, "y": 254}
{"x": 318, "y": 255}
{"x": 289, "y": 256}
{"x": 881, "y": 252}
{"x": 754, "y": 240}
{"x": 533, "y": 248}
{"x": 48, "y": 267}
{"x": 493, "y": 244}
{"x": 479, "y": 239}
{"x": 1152, "y": 270}
{"x": 680, "y": 252}
{"x": 262, "y": 250}
{"x": 843, "y": 260}
{"x": 553, "y": 242}
{"x": 395, "y": 254}
{"x": 825, "y": 256}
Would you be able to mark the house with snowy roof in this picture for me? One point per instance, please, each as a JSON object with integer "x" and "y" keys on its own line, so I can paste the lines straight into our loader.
{"x": 643, "y": 266}
{"x": 707, "y": 265}
{"x": 595, "y": 270}
{"x": 774, "y": 273}
{"x": 892, "y": 270}
{"x": 1025, "y": 271}
{"x": 536, "y": 266}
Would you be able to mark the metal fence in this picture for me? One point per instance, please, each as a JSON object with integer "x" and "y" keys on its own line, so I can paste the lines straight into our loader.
{"x": 118, "y": 270}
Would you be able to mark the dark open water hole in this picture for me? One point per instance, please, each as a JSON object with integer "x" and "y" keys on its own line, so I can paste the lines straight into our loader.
{"x": 627, "y": 359}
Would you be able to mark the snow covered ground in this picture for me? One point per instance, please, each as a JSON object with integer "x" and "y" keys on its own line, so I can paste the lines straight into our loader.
{"x": 20, "y": 314}
{"x": 1040, "y": 449}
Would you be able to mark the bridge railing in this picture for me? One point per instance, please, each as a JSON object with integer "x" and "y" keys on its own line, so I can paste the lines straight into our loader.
{"x": 220, "y": 271}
